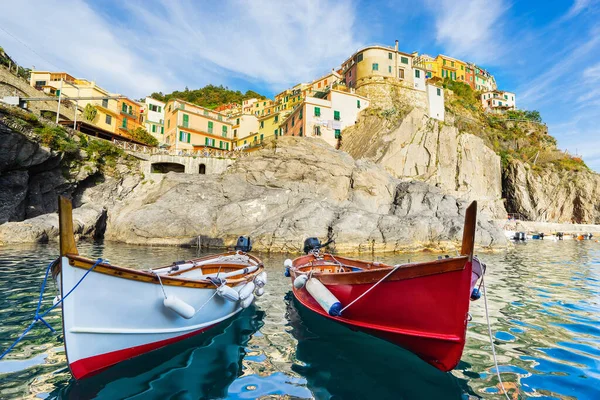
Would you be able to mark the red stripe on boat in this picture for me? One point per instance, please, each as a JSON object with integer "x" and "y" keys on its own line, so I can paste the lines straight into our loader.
{"x": 92, "y": 365}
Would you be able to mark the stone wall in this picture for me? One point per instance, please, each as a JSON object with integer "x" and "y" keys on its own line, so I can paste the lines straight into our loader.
{"x": 386, "y": 93}
{"x": 212, "y": 165}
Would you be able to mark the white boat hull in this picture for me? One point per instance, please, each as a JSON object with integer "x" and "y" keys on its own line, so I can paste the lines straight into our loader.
{"x": 108, "y": 319}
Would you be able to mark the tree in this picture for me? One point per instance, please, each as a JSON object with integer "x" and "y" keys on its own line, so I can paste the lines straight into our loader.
{"x": 90, "y": 112}
{"x": 142, "y": 135}
{"x": 210, "y": 96}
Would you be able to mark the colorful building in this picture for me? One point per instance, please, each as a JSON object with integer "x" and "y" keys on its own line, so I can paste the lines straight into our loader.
{"x": 470, "y": 75}
{"x": 448, "y": 67}
{"x": 190, "y": 127}
{"x": 325, "y": 115}
{"x": 484, "y": 81}
{"x": 154, "y": 111}
{"x": 378, "y": 62}
{"x": 130, "y": 116}
{"x": 245, "y": 128}
{"x": 498, "y": 101}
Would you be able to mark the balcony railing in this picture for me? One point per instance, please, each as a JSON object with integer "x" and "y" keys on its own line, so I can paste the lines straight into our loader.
{"x": 204, "y": 152}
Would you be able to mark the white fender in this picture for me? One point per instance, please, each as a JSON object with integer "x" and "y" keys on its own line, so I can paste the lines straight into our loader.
{"x": 300, "y": 281}
{"x": 288, "y": 263}
{"x": 228, "y": 293}
{"x": 179, "y": 306}
{"x": 247, "y": 290}
{"x": 259, "y": 291}
{"x": 261, "y": 279}
{"x": 324, "y": 297}
{"x": 247, "y": 301}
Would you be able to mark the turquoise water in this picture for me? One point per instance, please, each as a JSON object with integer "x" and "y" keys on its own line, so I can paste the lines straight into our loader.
{"x": 544, "y": 309}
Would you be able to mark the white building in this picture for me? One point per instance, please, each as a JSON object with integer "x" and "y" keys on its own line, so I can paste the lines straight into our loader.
{"x": 419, "y": 78}
{"x": 498, "y": 101}
{"x": 325, "y": 116}
{"x": 155, "y": 118}
{"x": 435, "y": 99}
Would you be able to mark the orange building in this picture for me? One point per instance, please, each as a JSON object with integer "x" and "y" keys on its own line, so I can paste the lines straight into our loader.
{"x": 130, "y": 116}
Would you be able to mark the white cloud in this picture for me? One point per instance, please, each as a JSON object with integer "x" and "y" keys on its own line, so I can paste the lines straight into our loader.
{"x": 578, "y": 7}
{"x": 165, "y": 45}
{"x": 592, "y": 73}
{"x": 470, "y": 29}
{"x": 70, "y": 35}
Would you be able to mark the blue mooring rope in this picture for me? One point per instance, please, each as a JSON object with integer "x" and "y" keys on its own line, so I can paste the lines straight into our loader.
{"x": 37, "y": 317}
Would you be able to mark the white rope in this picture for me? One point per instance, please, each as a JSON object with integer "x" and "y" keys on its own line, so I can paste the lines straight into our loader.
{"x": 371, "y": 288}
{"x": 487, "y": 317}
{"x": 207, "y": 301}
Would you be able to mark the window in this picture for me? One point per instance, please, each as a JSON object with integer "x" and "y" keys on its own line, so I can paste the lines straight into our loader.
{"x": 317, "y": 130}
{"x": 444, "y": 73}
{"x": 130, "y": 110}
{"x": 471, "y": 78}
{"x": 184, "y": 137}
{"x": 300, "y": 114}
{"x": 169, "y": 107}
{"x": 186, "y": 121}
{"x": 443, "y": 62}
{"x": 275, "y": 132}
{"x": 359, "y": 58}
{"x": 417, "y": 73}
{"x": 338, "y": 134}
{"x": 319, "y": 85}
{"x": 390, "y": 56}
{"x": 205, "y": 112}
{"x": 404, "y": 60}
{"x": 452, "y": 63}
{"x": 336, "y": 115}
{"x": 300, "y": 134}
{"x": 226, "y": 146}
{"x": 375, "y": 67}
{"x": 255, "y": 138}
{"x": 224, "y": 131}
{"x": 162, "y": 130}
{"x": 40, "y": 83}
{"x": 105, "y": 103}
{"x": 261, "y": 137}
{"x": 462, "y": 68}
{"x": 390, "y": 69}
{"x": 400, "y": 73}
{"x": 235, "y": 133}
{"x": 317, "y": 111}
{"x": 292, "y": 121}
{"x": 168, "y": 123}
{"x": 357, "y": 103}
{"x": 439, "y": 92}
{"x": 506, "y": 96}
{"x": 159, "y": 109}
{"x": 108, "y": 120}
{"x": 124, "y": 123}
{"x": 277, "y": 118}
{"x": 124, "y": 107}
{"x": 220, "y": 144}
{"x": 237, "y": 121}
{"x": 153, "y": 128}
{"x": 210, "y": 127}
{"x": 220, "y": 118}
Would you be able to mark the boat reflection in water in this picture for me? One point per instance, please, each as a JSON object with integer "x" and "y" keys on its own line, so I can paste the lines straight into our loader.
{"x": 202, "y": 366}
{"x": 338, "y": 362}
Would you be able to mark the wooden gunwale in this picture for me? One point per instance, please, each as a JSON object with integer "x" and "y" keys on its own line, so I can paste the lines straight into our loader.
{"x": 145, "y": 276}
{"x": 372, "y": 275}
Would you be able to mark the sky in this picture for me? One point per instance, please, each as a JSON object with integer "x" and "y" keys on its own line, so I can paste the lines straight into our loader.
{"x": 546, "y": 51}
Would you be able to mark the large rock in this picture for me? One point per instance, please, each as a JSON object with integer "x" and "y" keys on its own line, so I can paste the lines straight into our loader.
{"x": 552, "y": 195}
{"x": 296, "y": 188}
{"x": 88, "y": 222}
{"x": 425, "y": 149}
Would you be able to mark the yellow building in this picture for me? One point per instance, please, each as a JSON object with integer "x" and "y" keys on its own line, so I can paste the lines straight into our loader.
{"x": 448, "y": 67}
{"x": 189, "y": 127}
{"x": 245, "y": 126}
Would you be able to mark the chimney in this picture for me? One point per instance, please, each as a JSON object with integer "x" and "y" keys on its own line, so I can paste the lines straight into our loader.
{"x": 396, "y": 46}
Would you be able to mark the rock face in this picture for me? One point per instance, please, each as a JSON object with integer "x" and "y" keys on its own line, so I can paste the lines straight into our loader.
{"x": 417, "y": 147}
{"x": 296, "y": 188}
{"x": 551, "y": 195}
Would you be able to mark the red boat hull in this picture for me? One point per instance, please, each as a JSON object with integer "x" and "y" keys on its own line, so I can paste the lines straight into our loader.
{"x": 426, "y": 315}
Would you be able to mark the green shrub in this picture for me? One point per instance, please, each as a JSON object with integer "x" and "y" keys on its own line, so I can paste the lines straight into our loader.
{"x": 56, "y": 138}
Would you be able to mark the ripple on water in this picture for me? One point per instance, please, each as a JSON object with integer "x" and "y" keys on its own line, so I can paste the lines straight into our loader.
{"x": 544, "y": 309}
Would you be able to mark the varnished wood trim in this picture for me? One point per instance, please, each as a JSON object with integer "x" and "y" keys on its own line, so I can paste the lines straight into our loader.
{"x": 65, "y": 223}
{"x": 145, "y": 276}
{"x": 373, "y": 273}
{"x": 468, "y": 242}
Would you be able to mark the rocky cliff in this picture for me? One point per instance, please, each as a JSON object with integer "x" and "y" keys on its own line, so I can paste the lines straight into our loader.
{"x": 398, "y": 134}
{"x": 294, "y": 189}
{"x": 552, "y": 194}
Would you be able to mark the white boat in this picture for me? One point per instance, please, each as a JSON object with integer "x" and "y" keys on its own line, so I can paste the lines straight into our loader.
{"x": 111, "y": 314}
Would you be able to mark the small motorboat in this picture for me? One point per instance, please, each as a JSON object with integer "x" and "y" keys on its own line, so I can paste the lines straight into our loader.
{"x": 422, "y": 307}
{"x": 111, "y": 313}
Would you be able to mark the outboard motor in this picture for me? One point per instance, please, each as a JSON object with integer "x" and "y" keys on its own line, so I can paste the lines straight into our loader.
{"x": 542, "y": 235}
{"x": 560, "y": 235}
{"x": 519, "y": 236}
{"x": 311, "y": 244}
{"x": 244, "y": 244}
{"x": 314, "y": 243}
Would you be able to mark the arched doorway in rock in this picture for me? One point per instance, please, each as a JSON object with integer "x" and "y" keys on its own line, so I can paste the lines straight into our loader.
{"x": 202, "y": 169}
{"x": 164, "y": 167}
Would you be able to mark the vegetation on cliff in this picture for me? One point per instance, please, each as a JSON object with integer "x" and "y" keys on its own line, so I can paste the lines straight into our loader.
{"x": 518, "y": 135}
{"x": 75, "y": 148}
{"x": 210, "y": 96}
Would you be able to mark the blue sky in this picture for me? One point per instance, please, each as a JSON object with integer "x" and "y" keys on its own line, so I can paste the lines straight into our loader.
{"x": 548, "y": 52}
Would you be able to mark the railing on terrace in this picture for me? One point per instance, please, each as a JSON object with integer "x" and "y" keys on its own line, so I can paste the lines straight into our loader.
{"x": 206, "y": 152}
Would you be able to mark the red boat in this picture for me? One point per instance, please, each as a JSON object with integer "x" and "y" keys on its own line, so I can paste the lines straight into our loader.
{"x": 422, "y": 307}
